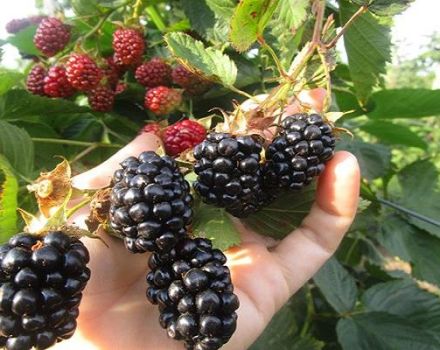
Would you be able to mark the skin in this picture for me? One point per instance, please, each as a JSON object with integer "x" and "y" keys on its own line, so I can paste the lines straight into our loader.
{"x": 115, "y": 313}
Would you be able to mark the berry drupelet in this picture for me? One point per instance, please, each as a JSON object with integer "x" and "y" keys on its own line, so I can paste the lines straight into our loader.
{"x": 306, "y": 142}
{"x": 193, "y": 289}
{"x": 182, "y": 135}
{"x": 229, "y": 173}
{"x": 35, "y": 80}
{"x": 101, "y": 99}
{"x": 162, "y": 100}
{"x": 155, "y": 72}
{"x": 56, "y": 83}
{"x": 150, "y": 203}
{"x": 82, "y": 72}
{"x": 128, "y": 45}
{"x": 41, "y": 284}
{"x": 192, "y": 83}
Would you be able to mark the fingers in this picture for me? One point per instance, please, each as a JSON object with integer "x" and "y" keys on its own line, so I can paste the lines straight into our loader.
{"x": 303, "y": 252}
{"x": 101, "y": 175}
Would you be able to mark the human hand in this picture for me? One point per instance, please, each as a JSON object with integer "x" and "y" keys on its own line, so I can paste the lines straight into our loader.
{"x": 115, "y": 314}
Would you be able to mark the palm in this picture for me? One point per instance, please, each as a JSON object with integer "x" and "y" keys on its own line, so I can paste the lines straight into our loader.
{"x": 116, "y": 314}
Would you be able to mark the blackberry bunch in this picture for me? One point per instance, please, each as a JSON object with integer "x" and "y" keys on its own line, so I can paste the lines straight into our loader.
{"x": 230, "y": 174}
{"x": 41, "y": 283}
{"x": 150, "y": 203}
{"x": 193, "y": 289}
{"x": 306, "y": 142}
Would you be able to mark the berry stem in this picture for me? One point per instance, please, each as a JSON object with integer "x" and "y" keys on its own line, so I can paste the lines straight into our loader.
{"x": 75, "y": 143}
{"x": 274, "y": 56}
{"x": 78, "y": 206}
{"x": 98, "y": 26}
{"x": 156, "y": 18}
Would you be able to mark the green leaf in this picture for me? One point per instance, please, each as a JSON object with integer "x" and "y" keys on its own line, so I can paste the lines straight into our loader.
{"x": 222, "y": 8}
{"x": 249, "y": 20}
{"x": 19, "y": 104}
{"x": 404, "y": 298}
{"x": 85, "y": 7}
{"x": 374, "y": 159}
{"x": 422, "y": 197}
{"x": 17, "y": 147}
{"x": 200, "y": 15}
{"x": 405, "y": 103}
{"x": 8, "y": 200}
{"x": 292, "y": 13}
{"x": 9, "y": 79}
{"x": 394, "y": 134}
{"x": 24, "y": 41}
{"x": 284, "y": 215}
{"x": 210, "y": 62}
{"x": 337, "y": 285}
{"x": 215, "y": 224}
{"x": 383, "y": 331}
{"x": 416, "y": 246}
{"x": 368, "y": 46}
{"x": 385, "y": 7}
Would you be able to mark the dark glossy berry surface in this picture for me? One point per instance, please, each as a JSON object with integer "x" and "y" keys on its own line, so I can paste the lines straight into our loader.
{"x": 40, "y": 290}
{"x": 197, "y": 304}
{"x": 230, "y": 174}
{"x": 150, "y": 203}
{"x": 306, "y": 142}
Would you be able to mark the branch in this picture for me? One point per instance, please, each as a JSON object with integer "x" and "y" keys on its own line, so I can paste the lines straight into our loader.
{"x": 358, "y": 13}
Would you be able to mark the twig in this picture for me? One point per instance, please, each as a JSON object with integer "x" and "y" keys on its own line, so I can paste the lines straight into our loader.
{"x": 357, "y": 14}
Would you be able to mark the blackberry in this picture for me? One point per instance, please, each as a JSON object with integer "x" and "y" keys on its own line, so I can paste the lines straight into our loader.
{"x": 193, "y": 289}
{"x": 306, "y": 142}
{"x": 41, "y": 283}
{"x": 229, "y": 173}
{"x": 51, "y": 36}
{"x": 35, "y": 80}
{"x": 150, "y": 203}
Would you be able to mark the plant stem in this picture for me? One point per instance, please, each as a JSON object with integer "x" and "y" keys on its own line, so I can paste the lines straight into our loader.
{"x": 310, "y": 311}
{"x": 156, "y": 18}
{"x": 274, "y": 56}
{"x": 137, "y": 9}
{"x": 241, "y": 92}
{"x": 75, "y": 143}
{"x": 99, "y": 24}
{"x": 357, "y": 14}
{"x": 409, "y": 212}
{"x": 328, "y": 82}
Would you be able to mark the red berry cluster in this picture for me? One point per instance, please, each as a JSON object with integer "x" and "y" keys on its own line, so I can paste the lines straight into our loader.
{"x": 178, "y": 137}
{"x": 100, "y": 77}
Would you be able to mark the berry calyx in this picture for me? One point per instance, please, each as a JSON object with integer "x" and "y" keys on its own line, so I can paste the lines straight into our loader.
{"x": 128, "y": 46}
{"x": 56, "y": 83}
{"x": 35, "y": 80}
{"x": 162, "y": 100}
{"x": 101, "y": 99}
{"x": 155, "y": 72}
{"x": 82, "y": 72}
{"x": 51, "y": 36}
{"x": 192, "y": 83}
{"x": 182, "y": 136}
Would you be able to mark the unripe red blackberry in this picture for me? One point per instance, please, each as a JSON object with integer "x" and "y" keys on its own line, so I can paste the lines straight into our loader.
{"x": 152, "y": 128}
{"x": 112, "y": 72}
{"x": 56, "y": 83}
{"x": 230, "y": 174}
{"x": 82, "y": 72}
{"x": 41, "y": 284}
{"x": 192, "y": 83}
{"x": 101, "y": 99}
{"x": 306, "y": 142}
{"x": 182, "y": 136}
{"x": 19, "y": 24}
{"x": 51, "y": 36}
{"x": 162, "y": 100}
{"x": 155, "y": 72}
{"x": 150, "y": 203}
{"x": 35, "y": 80}
{"x": 194, "y": 291}
{"x": 128, "y": 46}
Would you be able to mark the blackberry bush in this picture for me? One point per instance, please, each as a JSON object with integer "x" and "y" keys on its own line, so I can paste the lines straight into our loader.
{"x": 150, "y": 203}
{"x": 193, "y": 289}
{"x": 41, "y": 284}
{"x": 229, "y": 173}
{"x": 299, "y": 154}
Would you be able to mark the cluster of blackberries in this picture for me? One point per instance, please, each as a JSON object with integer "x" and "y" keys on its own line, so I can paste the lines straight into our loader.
{"x": 231, "y": 173}
{"x": 151, "y": 209}
{"x": 101, "y": 78}
{"x": 41, "y": 284}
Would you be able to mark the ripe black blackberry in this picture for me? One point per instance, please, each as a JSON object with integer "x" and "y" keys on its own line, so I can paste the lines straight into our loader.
{"x": 150, "y": 203}
{"x": 193, "y": 289}
{"x": 229, "y": 173}
{"x": 41, "y": 283}
{"x": 306, "y": 142}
